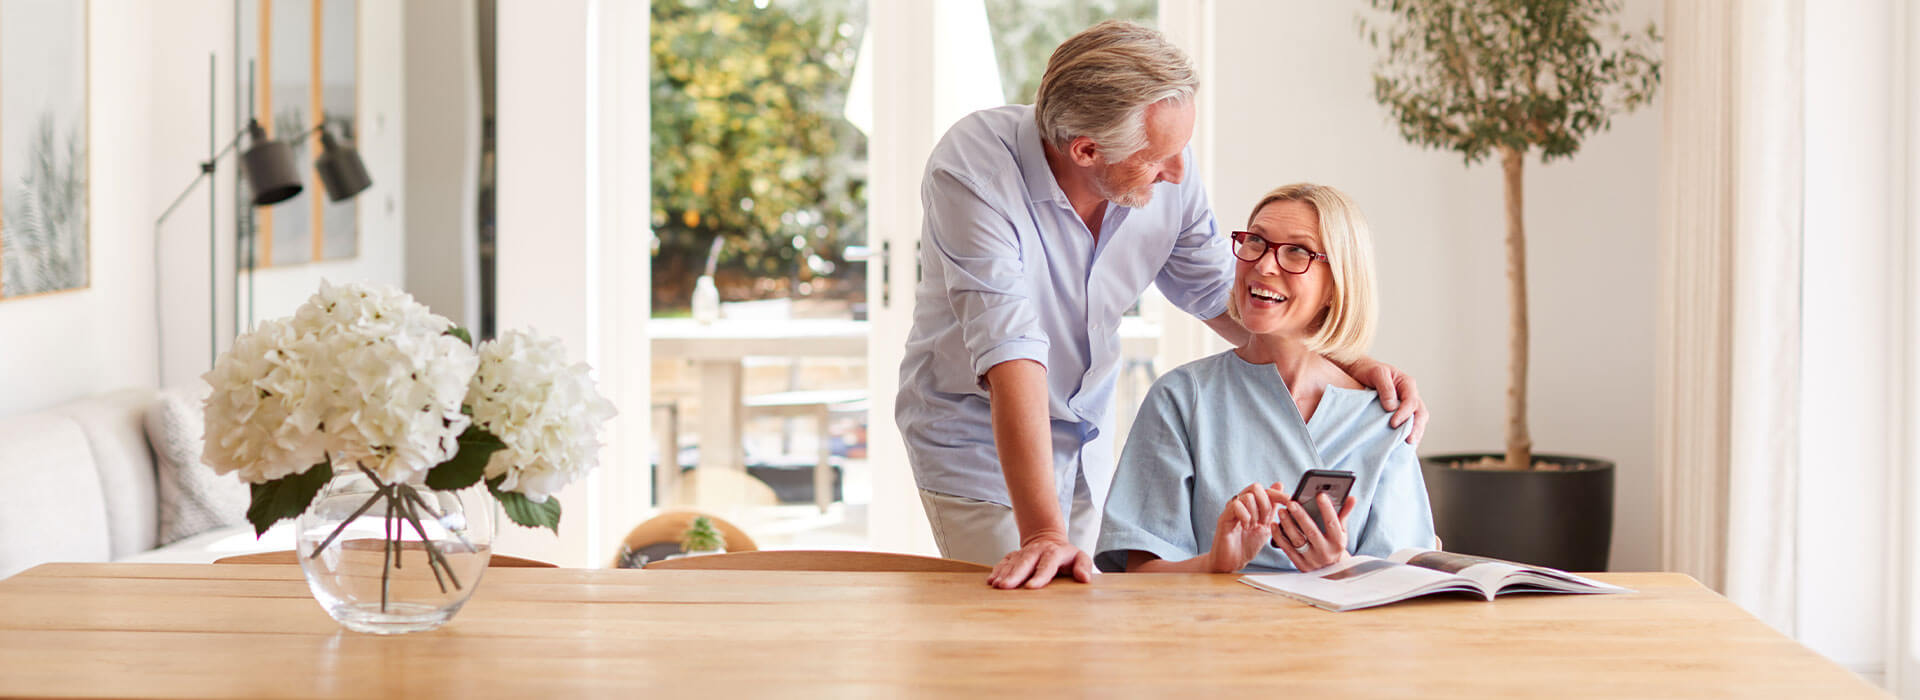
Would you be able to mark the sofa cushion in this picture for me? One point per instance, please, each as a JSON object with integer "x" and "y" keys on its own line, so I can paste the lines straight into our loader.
{"x": 193, "y": 499}
{"x": 51, "y": 506}
{"x": 212, "y": 545}
{"x": 115, "y": 428}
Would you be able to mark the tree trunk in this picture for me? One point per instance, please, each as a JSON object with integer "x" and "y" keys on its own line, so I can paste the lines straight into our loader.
{"x": 1519, "y": 441}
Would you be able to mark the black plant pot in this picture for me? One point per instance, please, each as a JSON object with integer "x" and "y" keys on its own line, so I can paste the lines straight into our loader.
{"x": 1562, "y": 519}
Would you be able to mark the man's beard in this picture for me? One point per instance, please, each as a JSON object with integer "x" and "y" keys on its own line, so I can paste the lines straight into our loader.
{"x": 1132, "y": 200}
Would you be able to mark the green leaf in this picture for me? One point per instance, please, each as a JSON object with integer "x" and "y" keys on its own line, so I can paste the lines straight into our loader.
{"x": 461, "y": 333}
{"x": 469, "y": 464}
{"x": 286, "y": 497}
{"x": 525, "y": 512}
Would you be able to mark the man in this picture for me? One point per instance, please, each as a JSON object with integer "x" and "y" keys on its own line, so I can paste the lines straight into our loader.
{"x": 1043, "y": 225}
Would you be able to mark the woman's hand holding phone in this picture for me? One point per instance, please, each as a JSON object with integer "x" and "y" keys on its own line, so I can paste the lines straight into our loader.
{"x": 1304, "y": 544}
{"x": 1245, "y": 526}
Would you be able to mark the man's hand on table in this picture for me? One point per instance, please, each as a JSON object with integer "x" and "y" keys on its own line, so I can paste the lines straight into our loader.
{"x": 1039, "y": 560}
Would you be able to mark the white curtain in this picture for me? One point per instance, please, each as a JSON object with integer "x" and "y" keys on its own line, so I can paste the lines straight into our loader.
{"x": 1763, "y": 416}
{"x": 1728, "y": 393}
{"x": 1788, "y": 411}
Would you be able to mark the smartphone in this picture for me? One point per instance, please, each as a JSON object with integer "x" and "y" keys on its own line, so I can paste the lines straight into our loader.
{"x": 1332, "y": 482}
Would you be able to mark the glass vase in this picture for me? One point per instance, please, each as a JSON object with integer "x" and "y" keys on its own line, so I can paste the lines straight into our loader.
{"x": 394, "y": 558}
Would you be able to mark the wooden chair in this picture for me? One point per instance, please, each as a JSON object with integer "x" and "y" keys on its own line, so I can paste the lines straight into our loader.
{"x": 668, "y": 527}
{"x": 286, "y": 556}
{"x": 820, "y": 560}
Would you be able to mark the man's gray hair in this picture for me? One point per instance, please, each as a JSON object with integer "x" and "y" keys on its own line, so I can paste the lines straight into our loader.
{"x": 1100, "y": 82}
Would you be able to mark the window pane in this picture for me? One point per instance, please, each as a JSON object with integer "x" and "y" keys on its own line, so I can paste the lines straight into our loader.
{"x": 1025, "y": 33}
{"x": 759, "y": 179}
{"x": 751, "y": 146}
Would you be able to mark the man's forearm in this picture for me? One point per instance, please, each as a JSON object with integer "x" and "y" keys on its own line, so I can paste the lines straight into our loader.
{"x": 1235, "y": 334}
{"x": 1024, "y": 440}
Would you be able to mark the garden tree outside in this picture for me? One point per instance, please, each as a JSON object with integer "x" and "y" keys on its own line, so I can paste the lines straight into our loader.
{"x": 749, "y": 143}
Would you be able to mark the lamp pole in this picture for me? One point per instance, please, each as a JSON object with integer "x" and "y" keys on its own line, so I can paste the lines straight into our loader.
{"x": 213, "y": 194}
{"x": 272, "y": 176}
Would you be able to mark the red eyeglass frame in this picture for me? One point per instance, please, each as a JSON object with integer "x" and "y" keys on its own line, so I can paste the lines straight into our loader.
{"x": 1240, "y": 237}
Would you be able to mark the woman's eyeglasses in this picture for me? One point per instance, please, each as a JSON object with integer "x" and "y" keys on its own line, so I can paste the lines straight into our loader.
{"x": 1292, "y": 258}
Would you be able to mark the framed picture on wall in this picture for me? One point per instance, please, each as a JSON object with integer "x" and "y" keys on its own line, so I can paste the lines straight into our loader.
{"x": 305, "y": 64}
{"x": 44, "y": 237}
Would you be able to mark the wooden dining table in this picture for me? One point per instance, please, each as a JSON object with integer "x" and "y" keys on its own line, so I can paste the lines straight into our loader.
{"x": 195, "y": 630}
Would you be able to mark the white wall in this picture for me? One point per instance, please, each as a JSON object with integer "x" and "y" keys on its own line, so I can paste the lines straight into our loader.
{"x": 72, "y": 344}
{"x": 1292, "y": 96}
{"x": 545, "y": 282}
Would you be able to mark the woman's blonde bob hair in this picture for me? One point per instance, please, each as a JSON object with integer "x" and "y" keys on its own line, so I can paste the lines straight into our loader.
{"x": 1345, "y": 329}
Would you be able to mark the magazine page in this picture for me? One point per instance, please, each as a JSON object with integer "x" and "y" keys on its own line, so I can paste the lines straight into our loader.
{"x": 1485, "y": 572}
{"x": 1494, "y": 574}
{"x": 1360, "y": 582}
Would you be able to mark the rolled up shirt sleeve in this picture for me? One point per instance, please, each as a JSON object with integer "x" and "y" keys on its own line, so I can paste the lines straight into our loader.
{"x": 978, "y": 250}
{"x": 1199, "y": 271}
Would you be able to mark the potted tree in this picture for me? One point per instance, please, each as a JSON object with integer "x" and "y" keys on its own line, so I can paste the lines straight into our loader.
{"x": 1508, "y": 79}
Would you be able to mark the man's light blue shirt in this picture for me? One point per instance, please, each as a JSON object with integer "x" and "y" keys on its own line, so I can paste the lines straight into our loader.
{"x": 1213, "y": 426}
{"x": 1010, "y": 272}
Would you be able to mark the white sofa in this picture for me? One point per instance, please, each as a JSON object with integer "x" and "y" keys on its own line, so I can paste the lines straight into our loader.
{"x": 78, "y": 482}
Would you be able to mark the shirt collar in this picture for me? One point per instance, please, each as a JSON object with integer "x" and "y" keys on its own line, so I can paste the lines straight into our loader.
{"x": 1041, "y": 186}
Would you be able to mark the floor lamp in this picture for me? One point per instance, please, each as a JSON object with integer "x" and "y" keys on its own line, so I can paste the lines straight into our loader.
{"x": 273, "y": 176}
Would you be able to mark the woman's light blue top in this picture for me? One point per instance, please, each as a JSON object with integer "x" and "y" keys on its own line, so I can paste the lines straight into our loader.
{"x": 1211, "y": 427}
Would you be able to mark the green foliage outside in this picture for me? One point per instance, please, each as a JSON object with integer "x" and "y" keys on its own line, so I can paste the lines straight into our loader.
{"x": 749, "y": 143}
{"x": 1026, "y": 31}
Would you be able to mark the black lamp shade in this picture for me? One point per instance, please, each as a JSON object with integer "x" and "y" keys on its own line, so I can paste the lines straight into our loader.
{"x": 271, "y": 170}
{"x": 340, "y": 169}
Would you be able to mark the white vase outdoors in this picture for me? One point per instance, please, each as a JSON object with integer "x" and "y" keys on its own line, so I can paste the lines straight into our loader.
{"x": 395, "y": 561}
{"x": 706, "y": 300}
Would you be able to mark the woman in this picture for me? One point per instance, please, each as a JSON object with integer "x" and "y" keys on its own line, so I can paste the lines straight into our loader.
{"x": 1204, "y": 482}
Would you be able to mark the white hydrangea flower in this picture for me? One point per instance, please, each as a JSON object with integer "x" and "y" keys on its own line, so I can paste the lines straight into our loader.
{"x": 395, "y": 380}
{"x": 369, "y": 310}
{"x": 544, "y": 409}
{"x": 362, "y": 373}
{"x": 261, "y": 420}
{"x": 397, "y": 409}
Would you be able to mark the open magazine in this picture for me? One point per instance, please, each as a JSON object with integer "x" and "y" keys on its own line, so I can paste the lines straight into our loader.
{"x": 1364, "y": 582}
